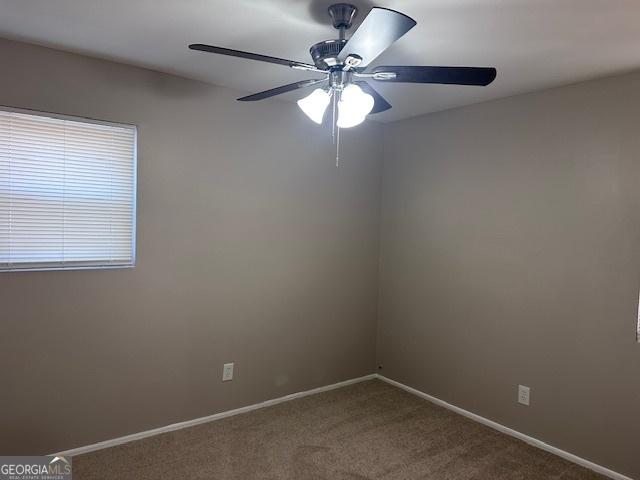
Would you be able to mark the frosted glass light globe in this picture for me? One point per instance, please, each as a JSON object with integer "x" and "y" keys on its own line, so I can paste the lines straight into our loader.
{"x": 315, "y": 104}
{"x": 354, "y": 106}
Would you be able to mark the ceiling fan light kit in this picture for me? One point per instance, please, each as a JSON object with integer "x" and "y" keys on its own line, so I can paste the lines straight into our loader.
{"x": 353, "y": 104}
{"x": 353, "y": 107}
{"x": 343, "y": 64}
{"x": 315, "y": 104}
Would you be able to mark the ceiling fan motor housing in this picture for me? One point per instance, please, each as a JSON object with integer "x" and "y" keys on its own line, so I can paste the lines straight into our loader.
{"x": 325, "y": 54}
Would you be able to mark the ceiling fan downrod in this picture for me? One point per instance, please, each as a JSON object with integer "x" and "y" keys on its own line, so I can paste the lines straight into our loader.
{"x": 342, "y": 15}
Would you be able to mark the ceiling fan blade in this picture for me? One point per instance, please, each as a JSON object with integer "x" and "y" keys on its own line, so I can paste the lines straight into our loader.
{"x": 252, "y": 56}
{"x": 283, "y": 89}
{"x": 480, "y": 76}
{"x": 380, "y": 104}
{"x": 377, "y": 32}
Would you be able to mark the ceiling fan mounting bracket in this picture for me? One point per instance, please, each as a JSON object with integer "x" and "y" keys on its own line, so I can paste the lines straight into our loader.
{"x": 342, "y": 15}
{"x": 352, "y": 61}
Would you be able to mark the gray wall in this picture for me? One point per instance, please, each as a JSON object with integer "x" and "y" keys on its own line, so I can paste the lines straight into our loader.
{"x": 252, "y": 247}
{"x": 511, "y": 254}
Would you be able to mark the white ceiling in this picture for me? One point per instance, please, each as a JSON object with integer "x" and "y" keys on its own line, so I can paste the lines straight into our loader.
{"x": 534, "y": 44}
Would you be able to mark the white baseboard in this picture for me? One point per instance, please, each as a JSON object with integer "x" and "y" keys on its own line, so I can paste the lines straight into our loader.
{"x": 210, "y": 418}
{"x": 501, "y": 428}
{"x": 217, "y": 416}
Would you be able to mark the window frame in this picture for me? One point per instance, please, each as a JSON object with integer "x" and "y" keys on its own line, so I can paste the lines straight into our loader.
{"x": 134, "y": 200}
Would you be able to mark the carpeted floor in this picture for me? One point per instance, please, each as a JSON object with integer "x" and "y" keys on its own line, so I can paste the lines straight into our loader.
{"x": 369, "y": 430}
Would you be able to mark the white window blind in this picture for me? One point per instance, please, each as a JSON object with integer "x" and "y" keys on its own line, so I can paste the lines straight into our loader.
{"x": 67, "y": 192}
{"x": 638, "y": 322}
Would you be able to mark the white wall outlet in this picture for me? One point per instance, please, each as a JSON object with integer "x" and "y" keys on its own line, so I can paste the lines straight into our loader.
{"x": 227, "y": 372}
{"x": 523, "y": 395}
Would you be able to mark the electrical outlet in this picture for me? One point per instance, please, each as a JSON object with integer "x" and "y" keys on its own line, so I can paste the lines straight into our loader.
{"x": 523, "y": 395}
{"x": 227, "y": 372}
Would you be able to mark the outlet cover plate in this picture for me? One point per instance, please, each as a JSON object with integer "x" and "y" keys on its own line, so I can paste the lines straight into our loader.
{"x": 523, "y": 395}
{"x": 227, "y": 372}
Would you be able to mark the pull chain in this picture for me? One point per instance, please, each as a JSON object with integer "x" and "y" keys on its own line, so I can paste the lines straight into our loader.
{"x": 333, "y": 120}
{"x": 338, "y": 148}
{"x": 335, "y": 130}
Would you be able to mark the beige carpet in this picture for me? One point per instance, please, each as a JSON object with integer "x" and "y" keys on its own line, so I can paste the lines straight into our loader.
{"x": 370, "y": 430}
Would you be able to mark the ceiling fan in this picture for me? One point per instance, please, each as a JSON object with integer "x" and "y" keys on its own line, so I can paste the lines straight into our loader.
{"x": 344, "y": 62}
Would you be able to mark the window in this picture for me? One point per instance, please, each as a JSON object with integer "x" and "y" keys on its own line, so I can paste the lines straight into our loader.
{"x": 638, "y": 322}
{"x": 67, "y": 192}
